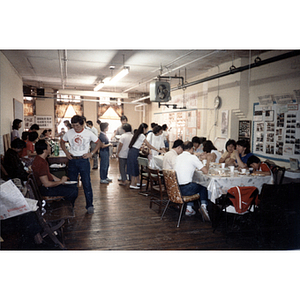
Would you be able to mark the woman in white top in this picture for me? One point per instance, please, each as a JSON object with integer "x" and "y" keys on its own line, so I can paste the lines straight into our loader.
{"x": 155, "y": 138}
{"x": 134, "y": 147}
{"x": 210, "y": 152}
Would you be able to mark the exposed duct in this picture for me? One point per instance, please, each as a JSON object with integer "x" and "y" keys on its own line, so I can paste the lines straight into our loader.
{"x": 231, "y": 71}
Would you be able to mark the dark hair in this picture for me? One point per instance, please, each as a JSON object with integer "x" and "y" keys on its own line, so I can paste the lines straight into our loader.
{"x": 253, "y": 159}
{"x": 187, "y": 145}
{"x": 157, "y": 129}
{"x": 202, "y": 139}
{"x": 153, "y": 125}
{"x": 127, "y": 127}
{"x": 77, "y": 119}
{"x": 164, "y": 127}
{"x": 123, "y": 118}
{"x": 33, "y": 135}
{"x": 208, "y": 146}
{"x": 34, "y": 127}
{"x": 84, "y": 118}
{"x": 196, "y": 140}
{"x": 44, "y": 132}
{"x": 40, "y": 146}
{"x": 244, "y": 144}
{"x": 178, "y": 143}
{"x": 103, "y": 126}
{"x": 137, "y": 133}
{"x": 18, "y": 144}
{"x": 16, "y": 123}
{"x": 89, "y": 123}
{"x": 230, "y": 142}
{"x": 25, "y": 135}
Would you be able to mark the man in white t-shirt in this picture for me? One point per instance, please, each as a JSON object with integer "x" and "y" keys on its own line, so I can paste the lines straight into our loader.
{"x": 169, "y": 159}
{"x": 79, "y": 139}
{"x": 186, "y": 164}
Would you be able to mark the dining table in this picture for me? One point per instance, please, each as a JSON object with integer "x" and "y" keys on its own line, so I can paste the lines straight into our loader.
{"x": 218, "y": 181}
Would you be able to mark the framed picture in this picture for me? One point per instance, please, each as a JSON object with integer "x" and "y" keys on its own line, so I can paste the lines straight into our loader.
{"x": 245, "y": 129}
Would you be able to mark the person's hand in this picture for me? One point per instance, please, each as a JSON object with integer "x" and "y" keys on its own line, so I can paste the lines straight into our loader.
{"x": 68, "y": 155}
{"x": 87, "y": 155}
{"x": 64, "y": 179}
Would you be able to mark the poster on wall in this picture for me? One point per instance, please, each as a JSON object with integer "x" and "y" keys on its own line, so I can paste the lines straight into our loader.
{"x": 44, "y": 121}
{"x": 278, "y": 133}
{"x": 244, "y": 130}
{"x": 224, "y": 123}
{"x": 28, "y": 121}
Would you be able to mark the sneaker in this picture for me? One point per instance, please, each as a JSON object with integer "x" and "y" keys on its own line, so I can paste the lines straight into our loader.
{"x": 108, "y": 179}
{"x": 143, "y": 184}
{"x": 90, "y": 210}
{"x": 204, "y": 213}
{"x": 104, "y": 181}
{"x": 134, "y": 187}
{"x": 189, "y": 211}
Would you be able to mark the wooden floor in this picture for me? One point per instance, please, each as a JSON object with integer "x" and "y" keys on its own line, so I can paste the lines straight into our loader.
{"x": 124, "y": 221}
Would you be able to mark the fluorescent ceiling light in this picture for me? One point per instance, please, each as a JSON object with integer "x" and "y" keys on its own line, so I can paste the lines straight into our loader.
{"x": 99, "y": 86}
{"x": 120, "y": 75}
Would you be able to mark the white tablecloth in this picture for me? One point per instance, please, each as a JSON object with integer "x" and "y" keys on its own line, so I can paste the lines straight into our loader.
{"x": 157, "y": 162}
{"x": 217, "y": 185}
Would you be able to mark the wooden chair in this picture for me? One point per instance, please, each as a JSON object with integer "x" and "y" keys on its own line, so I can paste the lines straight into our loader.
{"x": 144, "y": 174}
{"x": 6, "y": 141}
{"x": 174, "y": 193}
{"x": 158, "y": 192}
{"x": 278, "y": 174}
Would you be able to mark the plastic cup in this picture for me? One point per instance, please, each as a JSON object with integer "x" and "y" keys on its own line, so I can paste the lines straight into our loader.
{"x": 204, "y": 161}
{"x": 222, "y": 165}
{"x": 244, "y": 171}
{"x": 231, "y": 168}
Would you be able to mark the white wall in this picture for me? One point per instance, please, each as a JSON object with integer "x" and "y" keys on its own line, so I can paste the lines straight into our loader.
{"x": 11, "y": 87}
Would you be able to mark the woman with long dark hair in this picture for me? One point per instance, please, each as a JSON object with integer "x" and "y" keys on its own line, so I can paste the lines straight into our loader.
{"x": 135, "y": 144}
{"x": 210, "y": 152}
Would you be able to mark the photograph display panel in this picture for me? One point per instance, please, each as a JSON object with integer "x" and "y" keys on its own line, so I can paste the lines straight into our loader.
{"x": 276, "y": 130}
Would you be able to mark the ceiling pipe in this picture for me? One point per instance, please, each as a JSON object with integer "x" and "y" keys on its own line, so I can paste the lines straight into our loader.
{"x": 231, "y": 71}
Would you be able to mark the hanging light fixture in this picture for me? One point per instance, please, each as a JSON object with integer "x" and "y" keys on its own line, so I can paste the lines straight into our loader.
{"x": 121, "y": 74}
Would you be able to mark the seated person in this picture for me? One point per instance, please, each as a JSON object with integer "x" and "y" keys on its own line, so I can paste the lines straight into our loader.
{"x": 210, "y": 152}
{"x": 29, "y": 138}
{"x": 258, "y": 166}
{"x": 198, "y": 144}
{"x": 46, "y": 134}
{"x": 242, "y": 153}
{"x": 186, "y": 164}
{"x": 49, "y": 184}
{"x": 169, "y": 159}
{"x": 12, "y": 162}
{"x": 228, "y": 157}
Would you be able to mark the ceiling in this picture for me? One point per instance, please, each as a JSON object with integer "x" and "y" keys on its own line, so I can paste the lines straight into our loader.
{"x": 84, "y": 69}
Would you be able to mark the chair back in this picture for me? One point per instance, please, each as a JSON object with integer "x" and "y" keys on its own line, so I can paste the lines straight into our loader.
{"x": 278, "y": 174}
{"x": 243, "y": 197}
{"x": 142, "y": 161}
{"x": 172, "y": 186}
{"x": 6, "y": 141}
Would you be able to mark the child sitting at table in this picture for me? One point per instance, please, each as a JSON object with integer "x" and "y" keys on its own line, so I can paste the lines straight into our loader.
{"x": 258, "y": 166}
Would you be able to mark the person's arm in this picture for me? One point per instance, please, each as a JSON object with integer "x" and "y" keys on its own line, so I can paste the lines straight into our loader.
{"x": 240, "y": 164}
{"x": 224, "y": 157}
{"x": 119, "y": 149}
{"x": 264, "y": 170}
{"x": 90, "y": 154}
{"x": 63, "y": 147}
{"x": 47, "y": 183}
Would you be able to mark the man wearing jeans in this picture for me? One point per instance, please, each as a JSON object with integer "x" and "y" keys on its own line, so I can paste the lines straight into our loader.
{"x": 79, "y": 139}
{"x": 186, "y": 164}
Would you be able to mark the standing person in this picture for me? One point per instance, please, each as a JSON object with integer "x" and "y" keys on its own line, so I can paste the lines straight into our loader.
{"x": 91, "y": 127}
{"x": 169, "y": 159}
{"x": 134, "y": 147}
{"x": 120, "y": 129}
{"x": 122, "y": 151}
{"x": 104, "y": 153}
{"x": 50, "y": 185}
{"x": 15, "y": 134}
{"x": 186, "y": 164}
{"x": 156, "y": 139}
{"x": 242, "y": 153}
{"x": 166, "y": 136}
{"x": 79, "y": 139}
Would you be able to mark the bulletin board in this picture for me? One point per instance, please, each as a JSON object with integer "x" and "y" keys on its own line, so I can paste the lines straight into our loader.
{"x": 276, "y": 131}
{"x": 182, "y": 124}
